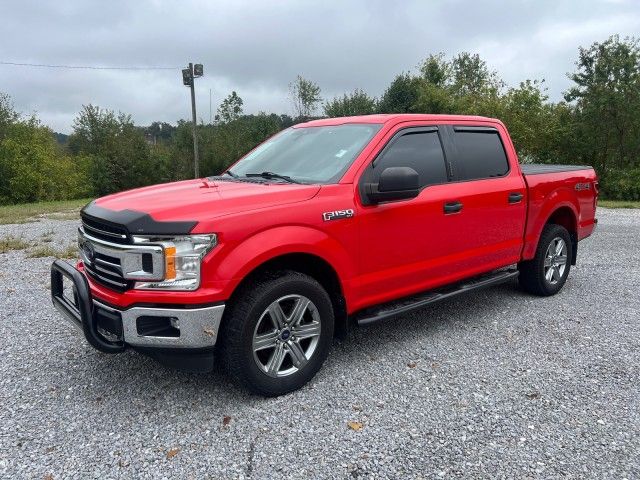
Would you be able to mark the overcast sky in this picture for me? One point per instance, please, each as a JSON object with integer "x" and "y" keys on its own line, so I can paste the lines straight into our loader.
{"x": 258, "y": 47}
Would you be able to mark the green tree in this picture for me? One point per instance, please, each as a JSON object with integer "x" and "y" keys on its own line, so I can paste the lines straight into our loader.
{"x": 471, "y": 76}
{"x": 120, "y": 155}
{"x": 434, "y": 88}
{"x": 224, "y": 143}
{"x": 305, "y": 96}
{"x": 159, "y": 132}
{"x": 181, "y": 148}
{"x": 402, "y": 95}
{"x": 34, "y": 167}
{"x": 230, "y": 109}
{"x": 475, "y": 88}
{"x": 227, "y": 143}
{"x": 536, "y": 125}
{"x": 436, "y": 70}
{"x": 354, "y": 103}
{"x": 8, "y": 115}
{"x": 606, "y": 96}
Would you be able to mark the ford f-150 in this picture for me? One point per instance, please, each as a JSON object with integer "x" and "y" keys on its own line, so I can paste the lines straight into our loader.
{"x": 327, "y": 224}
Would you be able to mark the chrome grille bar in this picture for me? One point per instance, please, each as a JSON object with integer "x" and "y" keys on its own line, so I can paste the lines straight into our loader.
{"x": 107, "y": 271}
{"x": 117, "y": 263}
{"x": 114, "y": 266}
{"x": 104, "y": 279}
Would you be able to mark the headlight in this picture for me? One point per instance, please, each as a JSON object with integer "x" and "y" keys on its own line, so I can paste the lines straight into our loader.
{"x": 183, "y": 256}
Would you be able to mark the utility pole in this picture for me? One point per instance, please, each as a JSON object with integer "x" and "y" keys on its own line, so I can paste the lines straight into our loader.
{"x": 188, "y": 76}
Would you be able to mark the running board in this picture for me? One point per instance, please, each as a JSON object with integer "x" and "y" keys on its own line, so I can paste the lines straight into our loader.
{"x": 414, "y": 302}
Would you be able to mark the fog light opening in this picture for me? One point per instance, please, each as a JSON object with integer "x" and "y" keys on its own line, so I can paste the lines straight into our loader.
{"x": 152, "y": 326}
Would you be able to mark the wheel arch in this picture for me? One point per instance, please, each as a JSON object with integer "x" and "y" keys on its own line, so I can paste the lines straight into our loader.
{"x": 309, "y": 264}
{"x": 566, "y": 217}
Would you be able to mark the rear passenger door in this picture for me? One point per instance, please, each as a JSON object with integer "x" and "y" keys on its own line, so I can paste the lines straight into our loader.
{"x": 491, "y": 197}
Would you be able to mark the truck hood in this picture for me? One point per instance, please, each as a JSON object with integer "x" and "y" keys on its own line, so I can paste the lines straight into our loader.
{"x": 199, "y": 200}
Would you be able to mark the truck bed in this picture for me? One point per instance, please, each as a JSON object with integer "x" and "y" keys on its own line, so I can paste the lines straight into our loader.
{"x": 570, "y": 189}
{"x": 539, "y": 168}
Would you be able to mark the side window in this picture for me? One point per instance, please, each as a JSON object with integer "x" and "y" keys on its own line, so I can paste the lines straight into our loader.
{"x": 479, "y": 154}
{"x": 421, "y": 151}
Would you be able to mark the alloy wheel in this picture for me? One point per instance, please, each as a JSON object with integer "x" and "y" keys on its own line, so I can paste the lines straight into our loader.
{"x": 555, "y": 260}
{"x": 286, "y": 335}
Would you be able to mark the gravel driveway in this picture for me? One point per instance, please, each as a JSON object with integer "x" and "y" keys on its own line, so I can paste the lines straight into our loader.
{"x": 495, "y": 384}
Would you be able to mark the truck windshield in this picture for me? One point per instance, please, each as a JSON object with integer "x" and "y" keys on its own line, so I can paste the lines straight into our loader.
{"x": 308, "y": 154}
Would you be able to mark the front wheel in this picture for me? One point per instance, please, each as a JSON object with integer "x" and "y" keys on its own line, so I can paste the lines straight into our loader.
{"x": 277, "y": 333}
{"x": 547, "y": 272}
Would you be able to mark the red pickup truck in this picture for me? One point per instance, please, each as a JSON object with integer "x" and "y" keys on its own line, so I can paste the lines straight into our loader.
{"x": 328, "y": 223}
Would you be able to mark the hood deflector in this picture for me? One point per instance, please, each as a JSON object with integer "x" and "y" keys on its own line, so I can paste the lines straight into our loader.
{"x": 136, "y": 223}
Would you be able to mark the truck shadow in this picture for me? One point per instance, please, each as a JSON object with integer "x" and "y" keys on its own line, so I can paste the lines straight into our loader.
{"x": 152, "y": 381}
{"x": 470, "y": 310}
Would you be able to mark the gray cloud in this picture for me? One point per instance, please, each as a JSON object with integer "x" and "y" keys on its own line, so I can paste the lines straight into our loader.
{"x": 257, "y": 48}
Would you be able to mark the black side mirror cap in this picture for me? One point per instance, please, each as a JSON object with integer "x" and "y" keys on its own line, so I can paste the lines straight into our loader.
{"x": 395, "y": 183}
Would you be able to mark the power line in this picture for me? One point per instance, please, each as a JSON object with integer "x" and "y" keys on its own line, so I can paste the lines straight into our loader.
{"x": 84, "y": 67}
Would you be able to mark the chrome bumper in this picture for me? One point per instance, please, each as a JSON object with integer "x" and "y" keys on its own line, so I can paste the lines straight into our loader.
{"x": 198, "y": 327}
{"x": 110, "y": 329}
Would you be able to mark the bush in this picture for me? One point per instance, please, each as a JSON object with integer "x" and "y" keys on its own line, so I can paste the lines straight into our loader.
{"x": 621, "y": 185}
{"x": 34, "y": 168}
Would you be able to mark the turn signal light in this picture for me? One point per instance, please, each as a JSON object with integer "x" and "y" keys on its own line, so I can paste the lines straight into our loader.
{"x": 170, "y": 263}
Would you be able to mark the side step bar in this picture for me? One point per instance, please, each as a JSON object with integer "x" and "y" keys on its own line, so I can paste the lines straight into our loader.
{"x": 414, "y": 302}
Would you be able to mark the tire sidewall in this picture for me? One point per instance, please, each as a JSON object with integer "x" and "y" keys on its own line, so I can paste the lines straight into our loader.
{"x": 555, "y": 231}
{"x": 273, "y": 290}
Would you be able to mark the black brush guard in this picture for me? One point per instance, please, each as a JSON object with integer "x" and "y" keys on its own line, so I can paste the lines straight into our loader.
{"x": 79, "y": 309}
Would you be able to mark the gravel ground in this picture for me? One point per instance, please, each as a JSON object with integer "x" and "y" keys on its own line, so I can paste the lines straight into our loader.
{"x": 492, "y": 384}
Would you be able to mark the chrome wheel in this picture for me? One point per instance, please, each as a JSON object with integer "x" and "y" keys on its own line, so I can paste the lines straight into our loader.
{"x": 555, "y": 260}
{"x": 286, "y": 335}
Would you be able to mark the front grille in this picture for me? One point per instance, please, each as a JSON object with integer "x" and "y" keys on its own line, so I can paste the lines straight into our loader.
{"x": 107, "y": 271}
{"x": 105, "y": 231}
{"x": 112, "y": 260}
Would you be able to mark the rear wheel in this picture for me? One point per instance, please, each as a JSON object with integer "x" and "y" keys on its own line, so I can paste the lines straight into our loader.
{"x": 547, "y": 272}
{"x": 277, "y": 333}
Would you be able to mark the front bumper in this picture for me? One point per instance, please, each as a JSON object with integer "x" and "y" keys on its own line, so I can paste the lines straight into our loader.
{"x": 110, "y": 329}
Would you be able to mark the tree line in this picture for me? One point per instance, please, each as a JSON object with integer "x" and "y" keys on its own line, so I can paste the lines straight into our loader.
{"x": 596, "y": 123}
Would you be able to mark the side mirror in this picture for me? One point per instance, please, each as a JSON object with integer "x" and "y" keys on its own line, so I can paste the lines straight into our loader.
{"x": 396, "y": 183}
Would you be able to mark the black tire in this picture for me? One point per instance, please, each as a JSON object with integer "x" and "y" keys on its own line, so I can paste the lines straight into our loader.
{"x": 532, "y": 272}
{"x": 241, "y": 321}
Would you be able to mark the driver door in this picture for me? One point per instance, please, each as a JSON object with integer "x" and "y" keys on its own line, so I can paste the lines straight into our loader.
{"x": 405, "y": 247}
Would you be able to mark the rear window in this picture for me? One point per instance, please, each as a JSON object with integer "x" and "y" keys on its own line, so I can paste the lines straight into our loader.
{"x": 479, "y": 154}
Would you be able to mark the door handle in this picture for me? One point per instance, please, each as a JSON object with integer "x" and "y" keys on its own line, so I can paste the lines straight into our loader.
{"x": 452, "y": 207}
{"x": 515, "y": 197}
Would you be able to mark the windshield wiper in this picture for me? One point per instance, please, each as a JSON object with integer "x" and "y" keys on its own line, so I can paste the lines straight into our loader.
{"x": 270, "y": 175}
{"x": 229, "y": 172}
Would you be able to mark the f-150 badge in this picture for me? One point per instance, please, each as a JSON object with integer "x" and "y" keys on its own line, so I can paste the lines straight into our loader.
{"x": 337, "y": 214}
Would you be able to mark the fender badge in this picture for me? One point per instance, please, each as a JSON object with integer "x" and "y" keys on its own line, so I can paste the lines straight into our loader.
{"x": 337, "y": 214}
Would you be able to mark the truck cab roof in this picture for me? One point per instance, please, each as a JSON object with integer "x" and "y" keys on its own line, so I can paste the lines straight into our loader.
{"x": 393, "y": 118}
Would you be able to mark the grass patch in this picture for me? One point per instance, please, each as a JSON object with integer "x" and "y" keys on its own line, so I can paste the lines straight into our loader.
{"x": 48, "y": 251}
{"x": 47, "y": 236}
{"x": 12, "y": 243}
{"x": 25, "y": 212}
{"x": 66, "y": 215}
{"x": 619, "y": 203}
